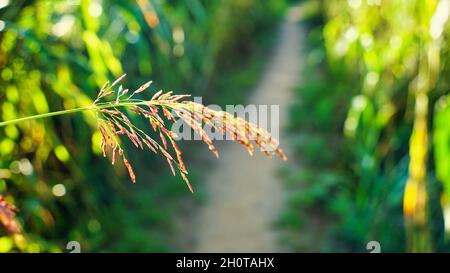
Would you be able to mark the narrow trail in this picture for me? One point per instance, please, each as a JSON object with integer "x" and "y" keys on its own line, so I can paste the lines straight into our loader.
{"x": 245, "y": 195}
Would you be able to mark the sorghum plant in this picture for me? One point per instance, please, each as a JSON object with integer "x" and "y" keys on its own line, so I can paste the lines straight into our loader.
{"x": 163, "y": 107}
{"x": 113, "y": 122}
{"x": 7, "y": 216}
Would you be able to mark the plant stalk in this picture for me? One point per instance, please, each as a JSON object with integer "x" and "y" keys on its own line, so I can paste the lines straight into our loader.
{"x": 74, "y": 110}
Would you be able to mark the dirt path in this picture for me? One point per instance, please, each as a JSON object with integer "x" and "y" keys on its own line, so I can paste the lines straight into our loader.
{"x": 245, "y": 195}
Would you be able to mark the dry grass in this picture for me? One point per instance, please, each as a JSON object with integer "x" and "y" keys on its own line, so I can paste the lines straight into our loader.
{"x": 161, "y": 109}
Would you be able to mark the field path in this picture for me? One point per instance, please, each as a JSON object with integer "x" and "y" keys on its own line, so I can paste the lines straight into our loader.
{"x": 245, "y": 195}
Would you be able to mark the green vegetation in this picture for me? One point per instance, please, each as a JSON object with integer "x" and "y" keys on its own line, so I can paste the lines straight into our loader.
{"x": 369, "y": 121}
{"x": 56, "y": 55}
{"x": 372, "y": 118}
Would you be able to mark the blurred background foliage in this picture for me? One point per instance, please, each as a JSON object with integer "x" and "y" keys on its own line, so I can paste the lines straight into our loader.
{"x": 375, "y": 142}
{"x": 56, "y": 55}
{"x": 370, "y": 119}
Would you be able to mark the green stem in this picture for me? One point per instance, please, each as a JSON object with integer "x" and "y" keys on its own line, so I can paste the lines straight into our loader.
{"x": 75, "y": 110}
